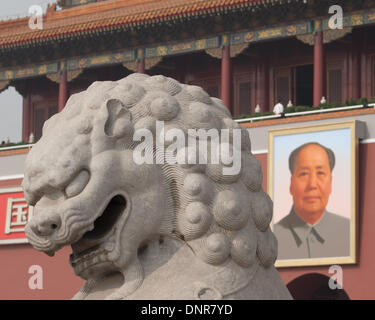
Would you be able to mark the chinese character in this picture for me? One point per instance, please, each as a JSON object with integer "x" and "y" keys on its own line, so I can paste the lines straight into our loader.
{"x": 17, "y": 215}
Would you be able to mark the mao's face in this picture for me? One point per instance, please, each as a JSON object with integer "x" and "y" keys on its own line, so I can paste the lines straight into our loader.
{"x": 311, "y": 181}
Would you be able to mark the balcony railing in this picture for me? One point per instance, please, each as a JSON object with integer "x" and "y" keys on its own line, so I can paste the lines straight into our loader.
{"x": 21, "y": 146}
{"x": 302, "y": 113}
{"x": 250, "y": 119}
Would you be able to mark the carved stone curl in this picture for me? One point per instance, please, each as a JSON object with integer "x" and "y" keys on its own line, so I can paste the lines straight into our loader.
{"x": 71, "y": 75}
{"x": 328, "y": 36}
{"x": 235, "y": 49}
{"x": 4, "y": 84}
{"x": 215, "y": 52}
{"x": 147, "y": 230}
{"x": 131, "y": 65}
{"x": 152, "y": 62}
{"x": 149, "y": 63}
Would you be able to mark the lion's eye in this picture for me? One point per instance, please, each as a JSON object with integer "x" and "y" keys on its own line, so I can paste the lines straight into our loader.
{"x": 78, "y": 184}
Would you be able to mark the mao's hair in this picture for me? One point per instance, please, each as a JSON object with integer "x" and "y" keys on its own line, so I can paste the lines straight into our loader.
{"x": 295, "y": 152}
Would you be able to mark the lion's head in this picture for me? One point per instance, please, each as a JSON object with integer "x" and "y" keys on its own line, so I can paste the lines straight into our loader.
{"x": 89, "y": 193}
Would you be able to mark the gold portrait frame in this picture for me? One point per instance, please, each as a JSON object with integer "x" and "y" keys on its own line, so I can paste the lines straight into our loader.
{"x": 355, "y": 131}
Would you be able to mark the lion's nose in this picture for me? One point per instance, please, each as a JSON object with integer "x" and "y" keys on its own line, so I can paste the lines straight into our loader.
{"x": 45, "y": 226}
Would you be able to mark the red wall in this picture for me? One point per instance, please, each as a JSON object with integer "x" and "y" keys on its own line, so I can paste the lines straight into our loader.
{"x": 59, "y": 281}
{"x": 358, "y": 280}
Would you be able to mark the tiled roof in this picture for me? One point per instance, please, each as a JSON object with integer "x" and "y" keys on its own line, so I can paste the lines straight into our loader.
{"x": 107, "y": 15}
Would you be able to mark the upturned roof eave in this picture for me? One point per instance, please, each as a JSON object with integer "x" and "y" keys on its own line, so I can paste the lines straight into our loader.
{"x": 103, "y": 24}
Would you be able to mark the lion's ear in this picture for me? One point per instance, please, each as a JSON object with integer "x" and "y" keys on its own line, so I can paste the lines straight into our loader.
{"x": 118, "y": 123}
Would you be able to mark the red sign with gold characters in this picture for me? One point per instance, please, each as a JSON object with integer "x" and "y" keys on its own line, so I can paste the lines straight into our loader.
{"x": 14, "y": 214}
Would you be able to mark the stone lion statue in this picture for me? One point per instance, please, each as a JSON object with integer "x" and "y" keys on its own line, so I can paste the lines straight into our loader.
{"x": 150, "y": 231}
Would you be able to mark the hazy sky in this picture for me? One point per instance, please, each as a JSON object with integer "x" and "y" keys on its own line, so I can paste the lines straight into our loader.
{"x": 10, "y": 100}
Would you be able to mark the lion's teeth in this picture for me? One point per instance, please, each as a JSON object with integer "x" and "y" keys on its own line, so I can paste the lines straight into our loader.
{"x": 109, "y": 246}
{"x": 50, "y": 253}
{"x": 86, "y": 264}
{"x": 79, "y": 268}
{"x": 90, "y": 259}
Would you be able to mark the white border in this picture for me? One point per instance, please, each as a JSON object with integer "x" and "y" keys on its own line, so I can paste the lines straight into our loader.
{"x": 259, "y": 151}
{"x": 9, "y": 190}
{"x": 12, "y": 241}
{"x": 367, "y": 141}
{"x": 24, "y": 146}
{"x": 12, "y": 177}
{"x": 301, "y": 113}
{"x": 363, "y": 141}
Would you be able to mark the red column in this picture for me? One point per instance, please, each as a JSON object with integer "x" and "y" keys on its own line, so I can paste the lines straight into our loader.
{"x": 226, "y": 78}
{"x": 357, "y": 49}
{"x": 141, "y": 65}
{"x": 262, "y": 86}
{"x": 26, "y": 115}
{"x": 319, "y": 78}
{"x": 356, "y": 74}
{"x": 63, "y": 89}
{"x": 365, "y": 66}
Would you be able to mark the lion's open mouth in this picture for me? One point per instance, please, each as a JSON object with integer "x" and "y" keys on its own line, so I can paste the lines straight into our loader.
{"x": 89, "y": 245}
{"x": 107, "y": 220}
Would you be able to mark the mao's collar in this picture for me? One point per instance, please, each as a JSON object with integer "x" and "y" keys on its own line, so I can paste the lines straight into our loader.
{"x": 301, "y": 229}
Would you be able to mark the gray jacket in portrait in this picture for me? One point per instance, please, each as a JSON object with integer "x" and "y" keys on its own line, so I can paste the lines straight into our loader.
{"x": 328, "y": 238}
